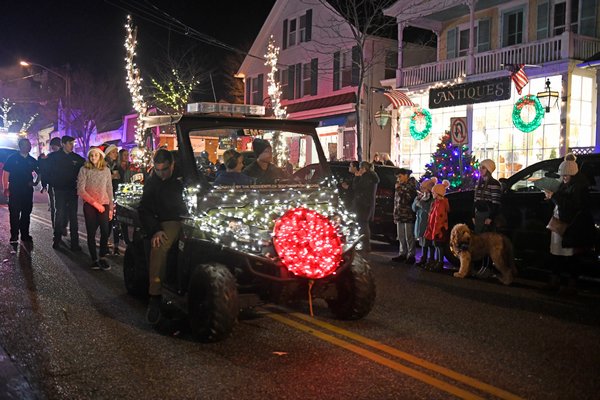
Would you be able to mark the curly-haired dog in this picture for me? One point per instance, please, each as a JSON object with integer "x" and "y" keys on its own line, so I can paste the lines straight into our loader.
{"x": 468, "y": 246}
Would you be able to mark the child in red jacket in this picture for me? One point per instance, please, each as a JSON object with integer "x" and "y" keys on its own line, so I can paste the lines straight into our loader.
{"x": 437, "y": 225}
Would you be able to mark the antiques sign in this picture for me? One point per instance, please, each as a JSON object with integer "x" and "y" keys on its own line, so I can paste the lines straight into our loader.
{"x": 470, "y": 93}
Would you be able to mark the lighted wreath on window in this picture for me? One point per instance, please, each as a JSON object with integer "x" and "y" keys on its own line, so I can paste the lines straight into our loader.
{"x": 520, "y": 124}
{"x": 424, "y": 116}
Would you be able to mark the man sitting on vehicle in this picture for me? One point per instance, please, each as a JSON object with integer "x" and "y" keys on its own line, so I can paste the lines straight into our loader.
{"x": 234, "y": 162}
{"x": 160, "y": 211}
{"x": 263, "y": 168}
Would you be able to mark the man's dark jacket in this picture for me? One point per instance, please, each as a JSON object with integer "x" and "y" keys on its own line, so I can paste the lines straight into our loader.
{"x": 265, "y": 177}
{"x": 365, "y": 189}
{"x": 161, "y": 201}
{"x": 62, "y": 169}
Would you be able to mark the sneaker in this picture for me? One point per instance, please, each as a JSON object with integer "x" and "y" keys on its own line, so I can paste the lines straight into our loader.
{"x": 96, "y": 265}
{"x": 411, "y": 260}
{"x": 14, "y": 239}
{"x": 116, "y": 252}
{"x": 399, "y": 259}
{"x": 103, "y": 264}
{"x": 153, "y": 312}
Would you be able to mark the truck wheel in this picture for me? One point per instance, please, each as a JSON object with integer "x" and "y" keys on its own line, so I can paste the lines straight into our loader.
{"x": 135, "y": 270}
{"x": 212, "y": 302}
{"x": 355, "y": 291}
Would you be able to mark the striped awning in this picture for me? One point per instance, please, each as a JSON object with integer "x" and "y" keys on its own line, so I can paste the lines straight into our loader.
{"x": 398, "y": 98}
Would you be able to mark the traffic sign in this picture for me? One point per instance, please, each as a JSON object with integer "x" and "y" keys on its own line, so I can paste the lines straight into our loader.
{"x": 458, "y": 131}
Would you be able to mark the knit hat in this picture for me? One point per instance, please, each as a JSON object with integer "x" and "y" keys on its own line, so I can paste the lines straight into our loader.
{"x": 489, "y": 165}
{"x": 110, "y": 148}
{"x": 55, "y": 142}
{"x": 568, "y": 166}
{"x": 427, "y": 184}
{"x": 440, "y": 188}
{"x": 259, "y": 145}
{"x": 95, "y": 149}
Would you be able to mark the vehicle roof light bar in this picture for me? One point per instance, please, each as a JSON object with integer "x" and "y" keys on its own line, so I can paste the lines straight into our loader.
{"x": 210, "y": 108}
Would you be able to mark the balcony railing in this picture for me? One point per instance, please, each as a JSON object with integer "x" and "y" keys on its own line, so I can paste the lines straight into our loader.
{"x": 567, "y": 45}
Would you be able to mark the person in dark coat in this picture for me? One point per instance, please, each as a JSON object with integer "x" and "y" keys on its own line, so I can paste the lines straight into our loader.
{"x": 161, "y": 209}
{"x": 385, "y": 159}
{"x": 17, "y": 180}
{"x": 63, "y": 167}
{"x": 234, "y": 162}
{"x": 572, "y": 229}
{"x": 55, "y": 145}
{"x": 405, "y": 216}
{"x": 263, "y": 169}
{"x": 364, "y": 186}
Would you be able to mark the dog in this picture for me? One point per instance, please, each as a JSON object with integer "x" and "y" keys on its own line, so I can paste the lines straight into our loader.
{"x": 468, "y": 246}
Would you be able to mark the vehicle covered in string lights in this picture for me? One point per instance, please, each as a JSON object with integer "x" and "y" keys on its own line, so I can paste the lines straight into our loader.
{"x": 243, "y": 246}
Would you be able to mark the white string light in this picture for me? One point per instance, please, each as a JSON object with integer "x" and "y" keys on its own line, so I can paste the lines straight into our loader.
{"x": 274, "y": 90}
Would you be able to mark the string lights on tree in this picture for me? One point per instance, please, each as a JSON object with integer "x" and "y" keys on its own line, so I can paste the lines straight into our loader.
{"x": 280, "y": 150}
{"x": 134, "y": 83}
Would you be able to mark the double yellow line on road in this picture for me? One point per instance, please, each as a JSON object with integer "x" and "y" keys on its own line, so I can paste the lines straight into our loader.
{"x": 396, "y": 366}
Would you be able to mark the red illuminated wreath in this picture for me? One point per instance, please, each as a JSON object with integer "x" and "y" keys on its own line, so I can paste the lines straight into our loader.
{"x": 307, "y": 243}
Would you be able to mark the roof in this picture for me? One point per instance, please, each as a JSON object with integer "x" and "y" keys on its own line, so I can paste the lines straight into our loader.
{"x": 592, "y": 62}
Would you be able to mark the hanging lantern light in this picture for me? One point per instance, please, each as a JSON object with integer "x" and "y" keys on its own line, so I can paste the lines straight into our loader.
{"x": 548, "y": 96}
{"x": 382, "y": 117}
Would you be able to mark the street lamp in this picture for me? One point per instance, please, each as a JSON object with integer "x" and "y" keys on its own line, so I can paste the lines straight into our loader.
{"x": 382, "y": 117}
{"x": 549, "y": 94}
{"x": 67, "y": 80}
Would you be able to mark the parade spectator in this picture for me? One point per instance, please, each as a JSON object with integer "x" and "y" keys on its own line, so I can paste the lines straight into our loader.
{"x": 126, "y": 172}
{"x": 63, "y": 168}
{"x": 94, "y": 186}
{"x": 55, "y": 145}
{"x": 421, "y": 206}
{"x": 376, "y": 159}
{"x": 385, "y": 159}
{"x": 161, "y": 209}
{"x": 488, "y": 194}
{"x": 263, "y": 169}
{"x": 111, "y": 159}
{"x": 437, "y": 225}
{"x": 365, "y": 188}
{"x": 404, "y": 216}
{"x": 234, "y": 162}
{"x": 346, "y": 191}
{"x": 18, "y": 183}
{"x": 571, "y": 226}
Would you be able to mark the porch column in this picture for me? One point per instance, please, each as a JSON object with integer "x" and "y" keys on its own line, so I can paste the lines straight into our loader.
{"x": 471, "y": 52}
{"x": 565, "y": 124}
{"x": 399, "y": 77}
{"x": 568, "y": 16}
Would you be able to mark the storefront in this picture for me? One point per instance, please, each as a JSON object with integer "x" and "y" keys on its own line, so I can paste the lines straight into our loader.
{"x": 569, "y": 123}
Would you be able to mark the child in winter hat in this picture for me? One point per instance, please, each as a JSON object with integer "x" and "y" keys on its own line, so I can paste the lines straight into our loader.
{"x": 421, "y": 206}
{"x": 437, "y": 225}
{"x": 569, "y": 166}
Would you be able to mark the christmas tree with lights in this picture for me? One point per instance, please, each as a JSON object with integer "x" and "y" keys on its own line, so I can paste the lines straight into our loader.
{"x": 454, "y": 163}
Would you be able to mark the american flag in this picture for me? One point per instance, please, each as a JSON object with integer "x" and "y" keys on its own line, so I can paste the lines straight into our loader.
{"x": 518, "y": 76}
{"x": 398, "y": 98}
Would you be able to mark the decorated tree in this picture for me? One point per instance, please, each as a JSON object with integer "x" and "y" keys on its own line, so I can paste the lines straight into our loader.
{"x": 455, "y": 163}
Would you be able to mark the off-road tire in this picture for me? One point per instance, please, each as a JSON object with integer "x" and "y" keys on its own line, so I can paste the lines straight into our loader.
{"x": 355, "y": 291}
{"x": 213, "y": 304}
{"x": 135, "y": 269}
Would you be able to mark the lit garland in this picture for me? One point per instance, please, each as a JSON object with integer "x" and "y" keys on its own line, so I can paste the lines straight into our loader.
{"x": 529, "y": 100}
{"x": 134, "y": 83}
{"x": 243, "y": 218}
{"x": 307, "y": 243}
{"x": 280, "y": 150}
{"x": 420, "y": 114}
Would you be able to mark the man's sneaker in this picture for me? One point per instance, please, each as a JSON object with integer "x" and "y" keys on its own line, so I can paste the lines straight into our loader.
{"x": 103, "y": 264}
{"x": 399, "y": 259}
{"x": 56, "y": 243}
{"x": 411, "y": 260}
{"x": 153, "y": 312}
{"x": 96, "y": 265}
{"x": 116, "y": 252}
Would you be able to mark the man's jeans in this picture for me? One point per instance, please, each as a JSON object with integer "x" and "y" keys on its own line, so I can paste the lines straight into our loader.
{"x": 66, "y": 212}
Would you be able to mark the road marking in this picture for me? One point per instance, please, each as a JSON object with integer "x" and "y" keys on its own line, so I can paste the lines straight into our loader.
{"x": 484, "y": 387}
{"x": 444, "y": 386}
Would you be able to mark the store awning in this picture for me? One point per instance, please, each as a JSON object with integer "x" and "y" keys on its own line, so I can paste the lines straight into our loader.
{"x": 330, "y": 101}
{"x": 398, "y": 98}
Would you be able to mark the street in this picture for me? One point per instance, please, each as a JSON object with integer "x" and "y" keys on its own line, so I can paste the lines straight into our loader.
{"x": 74, "y": 333}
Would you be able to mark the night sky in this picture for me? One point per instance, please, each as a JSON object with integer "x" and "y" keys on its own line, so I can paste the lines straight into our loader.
{"x": 90, "y": 34}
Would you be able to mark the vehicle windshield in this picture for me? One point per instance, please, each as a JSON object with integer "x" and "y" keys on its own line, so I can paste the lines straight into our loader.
{"x": 527, "y": 182}
{"x": 282, "y": 152}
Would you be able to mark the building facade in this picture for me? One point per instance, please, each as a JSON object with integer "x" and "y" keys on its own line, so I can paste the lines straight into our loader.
{"x": 479, "y": 45}
{"x": 318, "y": 75}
